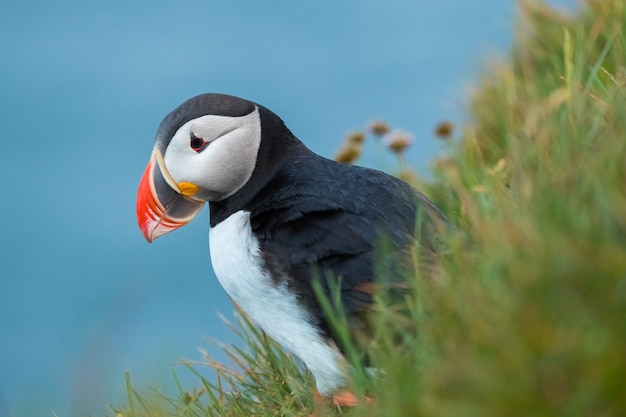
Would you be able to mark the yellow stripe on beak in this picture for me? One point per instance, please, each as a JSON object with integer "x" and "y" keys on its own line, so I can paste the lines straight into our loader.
{"x": 188, "y": 188}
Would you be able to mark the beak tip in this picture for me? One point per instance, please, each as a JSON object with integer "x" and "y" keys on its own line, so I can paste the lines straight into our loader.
{"x": 146, "y": 231}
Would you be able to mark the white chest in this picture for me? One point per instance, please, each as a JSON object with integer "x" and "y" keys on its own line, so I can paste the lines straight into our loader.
{"x": 238, "y": 265}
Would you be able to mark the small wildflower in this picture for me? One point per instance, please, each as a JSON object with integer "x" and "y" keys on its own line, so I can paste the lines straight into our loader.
{"x": 444, "y": 130}
{"x": 379, "y": 128}
{"x": 409, "y": 176}
{"x": 348, "y": 154}
{"x": 398, "y": 140}
{"x": 355, "y": 138}
{"x": 442, "y": 163}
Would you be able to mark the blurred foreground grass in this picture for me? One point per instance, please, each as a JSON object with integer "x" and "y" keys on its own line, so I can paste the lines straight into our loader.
{"x": 529, "y": 314}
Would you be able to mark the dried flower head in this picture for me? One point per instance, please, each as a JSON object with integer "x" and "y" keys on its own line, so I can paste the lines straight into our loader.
{"x": 398, "y": 140}
{"x": 409, "y": 176}
{"x": 444, "y": 164}
{"x": 444, "y": 130}
{"x": 379, "y": 128}
{"x": 355, "y": 138}
{"x": 348, "y": 154}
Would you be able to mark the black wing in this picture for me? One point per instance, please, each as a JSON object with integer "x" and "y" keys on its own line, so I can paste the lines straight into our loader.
{"x": 341, "y": 225}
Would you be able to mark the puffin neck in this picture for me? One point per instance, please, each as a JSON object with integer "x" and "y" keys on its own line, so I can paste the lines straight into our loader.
{"x": 278, "y": 146}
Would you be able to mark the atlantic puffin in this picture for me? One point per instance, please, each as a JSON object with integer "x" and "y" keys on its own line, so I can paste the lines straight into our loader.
{"x": 282, "y": 217}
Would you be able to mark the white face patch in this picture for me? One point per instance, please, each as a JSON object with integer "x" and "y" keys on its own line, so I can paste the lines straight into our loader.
{"x": 238, "y": 266}
{"x": 225, "y": 164}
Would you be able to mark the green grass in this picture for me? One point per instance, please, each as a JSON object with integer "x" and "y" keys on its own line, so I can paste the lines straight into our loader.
{"x": 528, "y": 316}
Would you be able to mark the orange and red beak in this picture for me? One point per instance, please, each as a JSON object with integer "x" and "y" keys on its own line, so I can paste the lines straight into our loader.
{"x": 161, "y": 206}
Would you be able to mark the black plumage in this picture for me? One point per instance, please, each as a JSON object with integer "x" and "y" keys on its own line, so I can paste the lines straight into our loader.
{"x": 318, "y": 219}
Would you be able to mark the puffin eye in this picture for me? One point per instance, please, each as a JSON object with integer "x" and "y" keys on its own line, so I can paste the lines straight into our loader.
{"x": 196, "y": 143}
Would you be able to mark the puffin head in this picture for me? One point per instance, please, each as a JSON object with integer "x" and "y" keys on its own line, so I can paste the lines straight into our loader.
{"x": 205, "y": 151}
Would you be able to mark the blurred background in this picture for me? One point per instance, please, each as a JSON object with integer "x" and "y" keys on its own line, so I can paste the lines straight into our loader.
{"x": 83, "y": 88}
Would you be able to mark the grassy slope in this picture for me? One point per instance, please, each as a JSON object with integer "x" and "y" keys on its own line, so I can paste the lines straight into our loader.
{"x": 529, "y": 316}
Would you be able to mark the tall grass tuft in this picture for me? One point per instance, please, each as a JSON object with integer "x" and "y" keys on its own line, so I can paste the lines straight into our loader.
{"x": 528, "y": 313}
